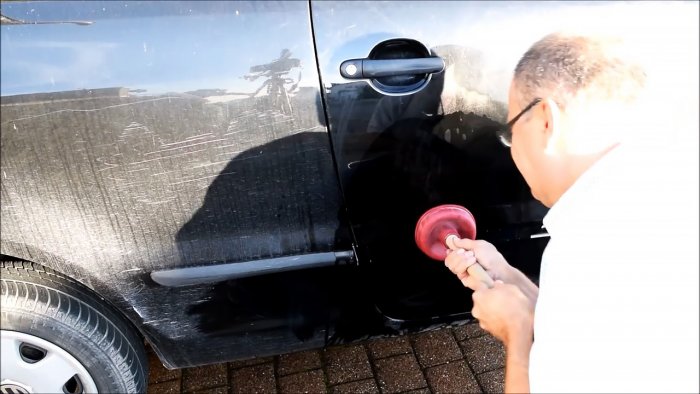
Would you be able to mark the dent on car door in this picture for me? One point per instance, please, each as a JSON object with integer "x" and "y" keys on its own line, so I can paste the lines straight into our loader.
{"x": 405, "y": 143}
{"x": 150, "y": 136}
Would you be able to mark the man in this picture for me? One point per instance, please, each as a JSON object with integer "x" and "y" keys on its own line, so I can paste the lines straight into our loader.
{"x": 617, "y": 306}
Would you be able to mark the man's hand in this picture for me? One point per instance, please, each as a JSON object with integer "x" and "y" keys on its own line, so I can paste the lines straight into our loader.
{"x": 466, "y": 252}
{"x": 505, "y": 312}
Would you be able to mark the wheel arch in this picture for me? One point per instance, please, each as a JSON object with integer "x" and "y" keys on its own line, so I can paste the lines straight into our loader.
{"x": 13, "y": 251}
{"x": 49, "y": 306}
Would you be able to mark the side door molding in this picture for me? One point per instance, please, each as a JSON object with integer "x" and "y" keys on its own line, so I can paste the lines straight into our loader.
{"x": 228, "y": 271}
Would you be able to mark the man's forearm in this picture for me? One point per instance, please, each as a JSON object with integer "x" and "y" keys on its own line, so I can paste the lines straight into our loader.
{"x": 518, "y": 347}
{"x": 517, "y": 365}
{"x": 528, "y": 287}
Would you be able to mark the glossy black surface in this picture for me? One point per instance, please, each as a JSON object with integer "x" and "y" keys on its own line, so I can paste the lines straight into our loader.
{"x": 399, "y": 156}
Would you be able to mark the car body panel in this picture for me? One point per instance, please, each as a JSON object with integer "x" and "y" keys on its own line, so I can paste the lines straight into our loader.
{"x": 136, "y": 144}
{"x": 436, "y": 146}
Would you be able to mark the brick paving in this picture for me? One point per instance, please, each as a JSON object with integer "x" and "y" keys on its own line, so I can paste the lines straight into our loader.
{"x": 456, "y": 359}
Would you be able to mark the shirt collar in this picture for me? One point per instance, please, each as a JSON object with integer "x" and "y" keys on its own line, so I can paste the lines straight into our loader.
{"x": 561, "y": 214}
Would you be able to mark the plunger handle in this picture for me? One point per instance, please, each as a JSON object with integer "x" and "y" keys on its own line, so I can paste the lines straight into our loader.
{"x": 475, "y": 270}
{"x": 437, "y": 227}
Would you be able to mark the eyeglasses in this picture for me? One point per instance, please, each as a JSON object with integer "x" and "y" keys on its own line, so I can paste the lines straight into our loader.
{"x": 507, "y": 133}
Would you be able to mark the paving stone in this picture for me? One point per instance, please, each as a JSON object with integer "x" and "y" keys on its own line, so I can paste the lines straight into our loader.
{"x": 484, "y": 353}
{"x": 215, "y": 390}
{"x": 204, "y": 377}
{"x": 298, "y": 362}
{"x": 387, "y": 347}
{"x": 399, "y": 373}
{"x": 436, "y": 347}
{"x": 492, "y": 381}
{"x": 250, "y": 362}
{"x": 367, "y": 386}
{"x": 454, "y": 377}
{"x": 347, "y": 364}
{"x": 254, "y": 379}
{"x": 397, "y": 365}
{"x": 303, "y": 382}
{"x": 467, "y": 331}
{"x": 158, "y": 373}
{"x": 170, "y": 387}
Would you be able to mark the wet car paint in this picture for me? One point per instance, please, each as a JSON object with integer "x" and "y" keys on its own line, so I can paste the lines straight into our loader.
{"x": 439, "y": 145}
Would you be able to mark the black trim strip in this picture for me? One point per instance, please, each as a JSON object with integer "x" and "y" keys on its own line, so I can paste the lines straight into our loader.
{"x": 221, "y": 272}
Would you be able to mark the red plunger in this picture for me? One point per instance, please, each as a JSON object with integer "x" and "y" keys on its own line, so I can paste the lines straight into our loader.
{"x": 440, "y": 223}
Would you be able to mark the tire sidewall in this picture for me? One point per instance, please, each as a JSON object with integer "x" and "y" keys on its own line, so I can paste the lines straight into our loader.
{"x": 95, "y": 359}
{"x": 57, "y": 309}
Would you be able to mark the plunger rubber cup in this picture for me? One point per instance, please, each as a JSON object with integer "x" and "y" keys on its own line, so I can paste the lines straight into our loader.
{"x": 442, "y": 222}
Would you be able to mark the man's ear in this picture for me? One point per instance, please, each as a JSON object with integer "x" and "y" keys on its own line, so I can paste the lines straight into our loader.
{"x": 551, "y": 123}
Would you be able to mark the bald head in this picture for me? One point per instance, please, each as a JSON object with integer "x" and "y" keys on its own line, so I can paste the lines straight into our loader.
{"x": 590, "y": 90}
{"x": 565, "y": 67}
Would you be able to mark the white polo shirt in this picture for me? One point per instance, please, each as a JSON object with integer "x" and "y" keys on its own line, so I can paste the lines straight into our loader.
{"x": 618, "y": 303}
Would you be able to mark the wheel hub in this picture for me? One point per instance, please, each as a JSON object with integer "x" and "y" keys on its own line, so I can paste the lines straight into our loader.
{"x": 10, "y": 387}
{"x": 34, "y": 365}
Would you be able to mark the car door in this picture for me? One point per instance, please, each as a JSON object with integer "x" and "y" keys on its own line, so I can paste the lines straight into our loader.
{"x": 153, "y": 149}
{"x": 416, "y": 94}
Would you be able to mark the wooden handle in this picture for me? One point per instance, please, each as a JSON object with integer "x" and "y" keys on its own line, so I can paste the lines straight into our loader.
{"x": 477, "y": 271}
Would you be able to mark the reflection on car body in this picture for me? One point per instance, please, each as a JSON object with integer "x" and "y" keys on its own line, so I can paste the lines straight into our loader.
{"x": 276, "y": 72}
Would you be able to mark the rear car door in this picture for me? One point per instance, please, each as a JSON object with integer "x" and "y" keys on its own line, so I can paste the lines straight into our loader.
{"x": 148, "y": 146}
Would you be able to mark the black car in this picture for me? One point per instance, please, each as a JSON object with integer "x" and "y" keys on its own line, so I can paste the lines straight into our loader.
{"x": 227, "y": 180}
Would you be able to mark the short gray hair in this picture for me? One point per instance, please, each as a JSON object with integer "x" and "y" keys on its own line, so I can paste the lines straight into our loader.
{"x": 562, "y": 66}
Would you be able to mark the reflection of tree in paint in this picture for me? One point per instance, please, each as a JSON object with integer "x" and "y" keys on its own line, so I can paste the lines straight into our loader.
{"x": 276, "y": 73}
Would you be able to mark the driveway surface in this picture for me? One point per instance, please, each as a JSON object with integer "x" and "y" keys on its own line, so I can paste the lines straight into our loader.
{"x": 455, "y": 359}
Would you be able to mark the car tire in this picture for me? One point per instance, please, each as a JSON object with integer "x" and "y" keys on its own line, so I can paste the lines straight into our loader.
{"x": 51, "y": 323}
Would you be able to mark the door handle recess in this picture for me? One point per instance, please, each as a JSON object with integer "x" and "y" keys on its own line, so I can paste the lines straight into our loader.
{"x": 371, "y": 68}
